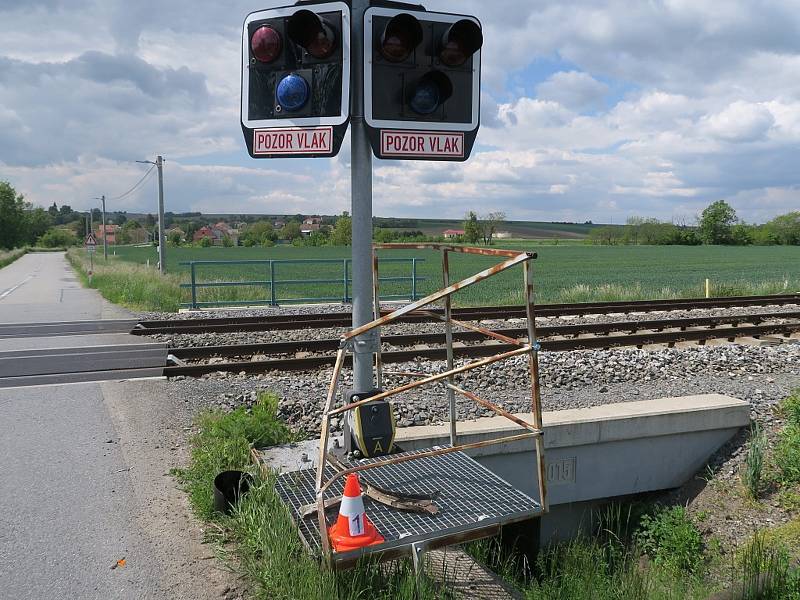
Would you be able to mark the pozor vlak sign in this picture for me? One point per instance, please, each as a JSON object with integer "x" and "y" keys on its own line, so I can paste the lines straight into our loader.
{"x": 421, "y": 81}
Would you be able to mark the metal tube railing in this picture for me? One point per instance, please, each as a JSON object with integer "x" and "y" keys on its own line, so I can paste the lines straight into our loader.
{"x": 533, "y": 430}
{"x": 273, "y": 283}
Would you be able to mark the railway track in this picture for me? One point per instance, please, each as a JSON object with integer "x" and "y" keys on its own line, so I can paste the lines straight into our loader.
{"x": 556, "y": 338}
{"x": 343, "y": 319}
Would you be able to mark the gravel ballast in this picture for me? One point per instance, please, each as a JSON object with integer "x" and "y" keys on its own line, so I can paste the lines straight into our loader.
{"x": 762, "y": 375}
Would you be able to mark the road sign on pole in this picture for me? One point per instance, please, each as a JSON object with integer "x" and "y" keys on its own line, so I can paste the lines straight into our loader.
{"x": 90, "y": 242}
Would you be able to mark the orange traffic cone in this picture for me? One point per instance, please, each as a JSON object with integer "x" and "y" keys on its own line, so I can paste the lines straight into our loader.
{"x": 353, "y": 530}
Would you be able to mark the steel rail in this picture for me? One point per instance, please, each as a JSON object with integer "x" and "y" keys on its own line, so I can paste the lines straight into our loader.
{"x": 343, "y": 319}
{"x": 506, "y": 335}
{"x": 552, "y": 345}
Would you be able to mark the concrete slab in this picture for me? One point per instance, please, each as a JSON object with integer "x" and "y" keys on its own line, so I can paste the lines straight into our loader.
{"x": 601, "y": 452}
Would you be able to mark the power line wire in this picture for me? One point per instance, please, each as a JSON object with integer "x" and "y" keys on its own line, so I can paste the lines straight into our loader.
{"x": 138, "y": 183}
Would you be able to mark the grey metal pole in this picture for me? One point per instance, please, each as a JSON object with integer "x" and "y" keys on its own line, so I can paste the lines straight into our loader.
{"x": 105, "y": 235}
{"x": 161, "y": 239}
{"x": 361, "y": 208}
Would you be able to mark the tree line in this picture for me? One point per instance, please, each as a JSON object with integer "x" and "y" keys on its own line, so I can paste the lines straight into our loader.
{"x": 717, "y": 225}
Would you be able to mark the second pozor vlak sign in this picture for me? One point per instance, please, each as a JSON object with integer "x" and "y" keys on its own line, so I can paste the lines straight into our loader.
{"x": 421, "y": 81}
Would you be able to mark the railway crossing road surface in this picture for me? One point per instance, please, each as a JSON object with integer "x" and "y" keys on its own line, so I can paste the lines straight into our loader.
{"x": 52, "y": 330}
{"x": 84, "y": 468}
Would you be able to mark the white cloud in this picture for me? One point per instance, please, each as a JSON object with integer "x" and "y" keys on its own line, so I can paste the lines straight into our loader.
{"x": 650, "y": 108}
{"x": 573, "y": 89}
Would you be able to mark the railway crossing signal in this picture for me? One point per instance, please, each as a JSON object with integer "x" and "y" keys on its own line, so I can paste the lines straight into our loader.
{"x": 296, "y": 80}
{"x": 413, "y": 92}
{"x": 421, "y": 83}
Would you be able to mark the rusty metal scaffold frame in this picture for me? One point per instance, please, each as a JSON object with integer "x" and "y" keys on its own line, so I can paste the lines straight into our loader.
{"x": 533, "y": 430}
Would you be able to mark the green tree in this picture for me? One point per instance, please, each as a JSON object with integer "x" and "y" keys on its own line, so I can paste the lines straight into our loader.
{"x": 13, "y": 225}
{"x": 786, "y": 228}
{"x": 742, "y": 234}
{"x": 260, "y": 233}
{"x": 205, "y": 242}
{"x": 608, "y": 235}
{"x": 342, "y": 234}
{"x": 488, "y": 225}
{"x": 227, "y": 241}
{"x": 716, "y": 223}
{"x": 291, "y": 231}
{"x": 38, "y": 221}
{"x": 472, "y": 229}
{"x": 174, "y": 238}
{"x": 57, "y": 238}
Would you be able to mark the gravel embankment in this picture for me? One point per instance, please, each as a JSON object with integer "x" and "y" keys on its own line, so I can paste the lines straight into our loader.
{"x": 762, "y": 375}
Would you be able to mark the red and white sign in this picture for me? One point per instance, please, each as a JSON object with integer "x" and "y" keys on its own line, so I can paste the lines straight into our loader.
{"x": 421, "y": 143}
{"x": 293, "y": 140}
{"x": 90, "y": 241}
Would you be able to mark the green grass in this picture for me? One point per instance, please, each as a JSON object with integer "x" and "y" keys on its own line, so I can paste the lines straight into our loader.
{"x": 671, "y": 539}
{"x": 753, "y": 474}
{"x": 258, "y": 539}
{"x": 128, "y": 284}
{"x": 564, "y": 273}
{"x": 786, "y": 456}
{"x": 9, "y": 256}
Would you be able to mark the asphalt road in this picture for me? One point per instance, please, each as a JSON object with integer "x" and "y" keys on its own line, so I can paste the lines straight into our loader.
{"x": 68, "y": 507}
{"x": 84, "y": 469}
{"x": 41, "y": 287}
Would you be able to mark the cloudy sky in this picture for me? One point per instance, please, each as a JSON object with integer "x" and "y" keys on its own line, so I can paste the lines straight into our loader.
{"x": 590, "y": 110}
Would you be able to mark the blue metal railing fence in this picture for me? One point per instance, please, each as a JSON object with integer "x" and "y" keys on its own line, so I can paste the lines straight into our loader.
{"x": 272, "y": 284}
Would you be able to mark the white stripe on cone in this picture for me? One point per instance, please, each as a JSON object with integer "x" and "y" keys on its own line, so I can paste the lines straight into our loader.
{"x": 353, "y": 509}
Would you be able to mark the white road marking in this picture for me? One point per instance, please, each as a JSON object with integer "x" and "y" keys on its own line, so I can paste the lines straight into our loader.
{"x": 20, "y": 284}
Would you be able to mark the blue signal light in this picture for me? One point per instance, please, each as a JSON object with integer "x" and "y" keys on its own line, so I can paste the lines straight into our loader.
{"x": 426, "y": 98}
{"x": 292, "y": 93}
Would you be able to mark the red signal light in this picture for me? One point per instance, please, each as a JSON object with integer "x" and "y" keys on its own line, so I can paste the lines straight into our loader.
{"x": 313, "y": 33}
{"x": 401, "y": 35}
{"x": 266, "y": 44}
{"x": 462, "y": 39}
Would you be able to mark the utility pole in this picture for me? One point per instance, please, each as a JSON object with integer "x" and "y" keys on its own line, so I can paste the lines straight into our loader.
{"x": 162, "y": 265}
{"x": 105, "y": 241}
{"x": 361, "y": 210}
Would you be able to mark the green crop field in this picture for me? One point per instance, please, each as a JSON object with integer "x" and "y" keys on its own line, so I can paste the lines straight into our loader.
{"x": 568, "y": 273}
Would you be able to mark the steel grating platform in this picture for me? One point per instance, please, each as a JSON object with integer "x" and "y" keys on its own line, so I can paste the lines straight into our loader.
{"x": 473, "y": 503}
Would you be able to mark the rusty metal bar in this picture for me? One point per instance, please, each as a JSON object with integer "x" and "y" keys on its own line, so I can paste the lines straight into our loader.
{"x": 376, "y": 314}
{"x": 438, "y": 295}
{"x": 493, "y": 407}
{"x": 476, "y": 328}
{"x": 533, "y": 365}
{"x": 451, "y": 248}
{"x": 323, "y": 449}
{"x": 448, "y": 334}
{"x": 532, "y": 430}
{"x": 431, "y": 379}
{"x": 435, "y": 452}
